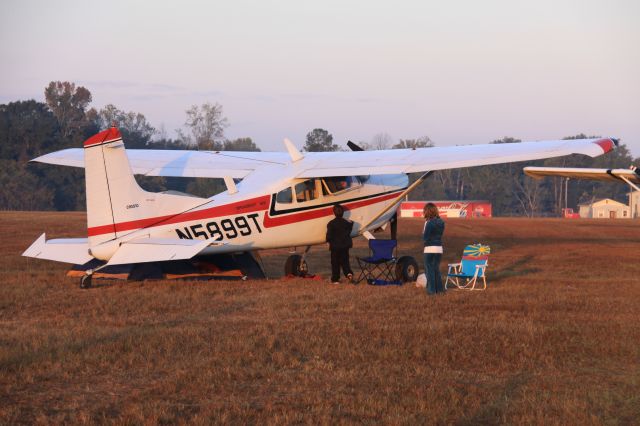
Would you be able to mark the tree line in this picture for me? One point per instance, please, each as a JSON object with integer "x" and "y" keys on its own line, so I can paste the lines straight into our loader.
{"x": 29, "y": 129}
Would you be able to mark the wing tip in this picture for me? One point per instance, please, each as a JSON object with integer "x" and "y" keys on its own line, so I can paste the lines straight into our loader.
{"x": 607, "y": 144}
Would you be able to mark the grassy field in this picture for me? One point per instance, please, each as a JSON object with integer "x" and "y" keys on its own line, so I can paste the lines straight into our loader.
{"x": 554, "y": 340}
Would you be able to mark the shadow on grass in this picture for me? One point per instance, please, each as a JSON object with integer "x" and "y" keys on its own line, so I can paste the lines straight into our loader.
{"x": 493, "y": 412}
{"x": 516, "y": 269}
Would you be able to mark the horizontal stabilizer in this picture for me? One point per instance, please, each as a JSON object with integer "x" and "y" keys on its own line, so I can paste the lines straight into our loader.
{"x": 156, "y": 250}
{"x": 68, "y": 250}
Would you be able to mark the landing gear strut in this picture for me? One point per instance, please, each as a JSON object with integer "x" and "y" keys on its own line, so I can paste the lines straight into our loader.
{"x": 85, "y": 281}
{"x": 296, "y": 264}
{"x": 394, "y": 226}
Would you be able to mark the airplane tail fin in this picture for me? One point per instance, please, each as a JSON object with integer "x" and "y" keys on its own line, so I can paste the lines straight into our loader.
{"x": 116, "y": 204}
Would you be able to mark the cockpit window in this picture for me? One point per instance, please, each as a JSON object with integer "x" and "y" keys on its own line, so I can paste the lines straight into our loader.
{"x": 337, "y": 184}
{"x": 285, "y": 196}
{"x": 306, "y": 191}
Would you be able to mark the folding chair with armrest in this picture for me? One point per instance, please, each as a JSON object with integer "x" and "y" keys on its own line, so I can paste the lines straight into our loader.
{"x": 381, "y": 262}
{"x": 465, "y": 275}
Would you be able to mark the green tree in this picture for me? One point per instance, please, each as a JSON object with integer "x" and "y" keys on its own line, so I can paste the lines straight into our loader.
{"x": 28, "y": 129}
{"x": 320, "y": 140}
{"x": 20, "y": 189}
{"x": 240, "y": 144}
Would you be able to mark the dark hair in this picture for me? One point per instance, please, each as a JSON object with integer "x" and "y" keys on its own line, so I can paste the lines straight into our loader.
{"x": 430, "y": 211}
{"x": 338, "y": 210}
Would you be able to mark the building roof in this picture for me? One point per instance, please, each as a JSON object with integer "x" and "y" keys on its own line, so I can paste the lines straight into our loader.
{"x": 608, "y": 201}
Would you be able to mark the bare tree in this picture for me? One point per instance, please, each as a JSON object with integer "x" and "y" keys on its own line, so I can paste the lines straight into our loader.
{"x": 136, "y": 129}
{"x": 381, "y": 141}
{"x": 528, "y": 192}
{"x": 205, "y": 125}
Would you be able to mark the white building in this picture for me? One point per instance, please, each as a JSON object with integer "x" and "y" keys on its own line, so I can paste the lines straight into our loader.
{"x": 605, "y": 209}
{"x": 634, "y": 203}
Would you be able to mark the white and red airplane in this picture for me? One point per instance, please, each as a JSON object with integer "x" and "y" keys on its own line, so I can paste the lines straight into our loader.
{"x": 283, "y": 199}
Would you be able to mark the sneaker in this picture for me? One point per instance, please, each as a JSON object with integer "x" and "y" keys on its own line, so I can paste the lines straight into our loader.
{"x": 336, "y": 282}
{"x": 350, "y": 278}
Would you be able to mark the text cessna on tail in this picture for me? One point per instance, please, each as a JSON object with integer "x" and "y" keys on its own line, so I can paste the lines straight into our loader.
{"x": 283, "y": 199}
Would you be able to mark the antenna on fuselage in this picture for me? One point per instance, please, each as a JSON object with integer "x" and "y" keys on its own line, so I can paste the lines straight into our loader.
{"x": 293, "y": 151}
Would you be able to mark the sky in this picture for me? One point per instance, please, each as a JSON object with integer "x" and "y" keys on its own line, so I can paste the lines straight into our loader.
{"x": 460, "y": 72}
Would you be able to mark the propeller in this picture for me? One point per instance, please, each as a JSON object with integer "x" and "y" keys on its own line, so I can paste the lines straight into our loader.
{"x": 354, "y": 147}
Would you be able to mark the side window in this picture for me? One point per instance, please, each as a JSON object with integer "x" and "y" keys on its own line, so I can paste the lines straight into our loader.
{"x": 337, "y": 184}
{"x": 306, "y": 191}
{"x": 284, "y": 196}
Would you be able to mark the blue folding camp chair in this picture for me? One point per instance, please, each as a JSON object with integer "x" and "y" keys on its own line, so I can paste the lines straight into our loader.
{"x": 379, "y": 266}
{"x": 464, "y": 275}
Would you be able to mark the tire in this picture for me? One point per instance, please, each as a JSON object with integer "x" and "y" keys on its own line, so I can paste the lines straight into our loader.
{"x": 406, "y": 269}
{"x": 85, "y": 282}
{"x": 295, "y": 266}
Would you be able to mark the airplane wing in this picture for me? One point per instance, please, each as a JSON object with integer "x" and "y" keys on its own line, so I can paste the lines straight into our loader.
{"x": 438, "y": 158}
{"x": 180, "y": 163}
{"x": 220, "y": 164}
{"x": 612, "y": 175}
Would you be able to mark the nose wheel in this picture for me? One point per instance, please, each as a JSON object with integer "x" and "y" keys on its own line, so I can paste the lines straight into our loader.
{"x": 296, "y": 266}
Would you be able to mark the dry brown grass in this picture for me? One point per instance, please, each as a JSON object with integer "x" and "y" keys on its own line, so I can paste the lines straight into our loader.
{"x": 554, "y": 340}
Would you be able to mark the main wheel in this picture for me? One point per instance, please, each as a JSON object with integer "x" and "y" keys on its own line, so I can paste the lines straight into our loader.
{"x": 296, "y": 266}
{"x": 85, "y": 281}
{"x": 406, "y": 269}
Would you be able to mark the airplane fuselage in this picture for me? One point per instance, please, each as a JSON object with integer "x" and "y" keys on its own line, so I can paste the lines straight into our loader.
{"x": 253, "y": 220}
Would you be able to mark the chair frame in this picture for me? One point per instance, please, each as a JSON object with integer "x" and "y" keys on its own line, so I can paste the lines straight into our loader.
{"x": 471, "y": 281}
{"x": 385, "y": 268}
{"x": 455, "y": 273}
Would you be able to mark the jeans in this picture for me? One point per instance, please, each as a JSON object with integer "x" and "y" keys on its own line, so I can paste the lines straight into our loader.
{"x": 432, "y": 271}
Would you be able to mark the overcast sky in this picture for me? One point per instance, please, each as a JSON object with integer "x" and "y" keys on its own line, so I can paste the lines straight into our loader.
{"x": 460, "y": 71}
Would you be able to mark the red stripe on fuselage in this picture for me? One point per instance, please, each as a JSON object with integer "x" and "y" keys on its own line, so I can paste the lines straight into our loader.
{"x": 245, "y": 206}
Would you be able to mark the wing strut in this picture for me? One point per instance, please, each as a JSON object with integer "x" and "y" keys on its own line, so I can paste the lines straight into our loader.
{"x": 406, "y": 192}
{"x": 631, "y": 184}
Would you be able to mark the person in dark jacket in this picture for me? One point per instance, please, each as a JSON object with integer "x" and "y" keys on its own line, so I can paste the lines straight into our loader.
{"x": 432, "y": 236}
{"x": 339, "y": 239}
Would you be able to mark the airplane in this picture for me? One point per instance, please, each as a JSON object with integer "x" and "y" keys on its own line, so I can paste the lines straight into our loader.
{"x": 630, "y": 176}
{"x": 273, "y": 199}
